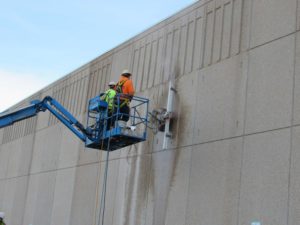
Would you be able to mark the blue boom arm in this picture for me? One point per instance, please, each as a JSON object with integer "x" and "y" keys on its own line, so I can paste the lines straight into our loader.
{"x": 10, "y": 118}
{"x": 54, "y": 107}
{"x": 103, "y": 131}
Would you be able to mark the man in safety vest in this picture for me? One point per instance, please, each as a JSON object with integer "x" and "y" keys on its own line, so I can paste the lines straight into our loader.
{"x": 2, "y": 218}
{"x": 109, "y": 97}
{"x": 126, "y": 90}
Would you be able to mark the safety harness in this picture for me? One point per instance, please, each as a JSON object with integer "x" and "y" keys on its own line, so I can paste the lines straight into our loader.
{"x": 119, "y": 89}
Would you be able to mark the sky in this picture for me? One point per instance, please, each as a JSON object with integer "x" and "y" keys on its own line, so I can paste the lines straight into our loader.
{"x": 42, "y": 41}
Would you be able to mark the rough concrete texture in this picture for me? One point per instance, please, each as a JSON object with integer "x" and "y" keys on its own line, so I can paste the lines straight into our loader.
{"x": 235, "y": 155}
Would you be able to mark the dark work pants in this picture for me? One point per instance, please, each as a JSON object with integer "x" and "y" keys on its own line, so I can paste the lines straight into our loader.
{"x": 111, "y": 119}
{"x": 124, "y": 111}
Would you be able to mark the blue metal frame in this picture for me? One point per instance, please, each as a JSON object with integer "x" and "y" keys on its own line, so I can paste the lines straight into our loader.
{"x": 117, "y": 136}
{"x": 95, "y": 135}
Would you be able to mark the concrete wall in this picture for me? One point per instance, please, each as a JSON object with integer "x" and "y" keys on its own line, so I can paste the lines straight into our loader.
{"x": 235, "y": 157}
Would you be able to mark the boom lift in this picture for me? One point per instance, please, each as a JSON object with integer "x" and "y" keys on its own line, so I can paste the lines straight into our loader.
{"x": 95, "y": 134}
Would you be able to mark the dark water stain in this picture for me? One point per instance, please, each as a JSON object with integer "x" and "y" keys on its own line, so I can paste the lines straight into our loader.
{"x": 137, "y": 187}
{"x": 153, "y": 173}
{"x": 164, "y": 162}
{"x": 129, "y": 190}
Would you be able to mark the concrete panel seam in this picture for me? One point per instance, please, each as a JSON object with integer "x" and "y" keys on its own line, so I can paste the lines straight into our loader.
{"x": 292, "y": 128}
{"x": 139, "y": 84}
{"x": 173, "y": 58}
{"x": 213, "y": 33}
{"x": 223, "y": 139}
{"x": 149, "y": 66}
{"x": 222, "y": 30}
{"x": 246, "y": 96}
{"x": 114, "y": 196}
{"x": 149, "y": 185}
{"x": 53, "y": 196}
{"x": 289, "y": 176}
{"x": 268, "y": 42}
{"x": 143, "y": 71}
{"x": 155, "y": 61}
{"x": 30, "y": 167}
{"x": 241, "y": 24}
{"x": 250, "y": 24}
{"x": 240, "y": 180}
{"x": 202, "y": 47}
{"x": 188, "y": 186}
{"x": 46, "y": 171}
{"x": 193, "y": 43}
{"x": 231, "y": 27}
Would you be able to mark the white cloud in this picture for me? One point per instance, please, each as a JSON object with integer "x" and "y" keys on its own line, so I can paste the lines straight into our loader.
{"x": 15, "y": 87}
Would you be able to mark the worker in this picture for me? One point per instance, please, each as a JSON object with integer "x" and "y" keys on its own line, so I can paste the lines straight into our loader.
{"x": 109, "y": 97}
{"x": 2, "y": 218}
{"x": 126, "y": 90}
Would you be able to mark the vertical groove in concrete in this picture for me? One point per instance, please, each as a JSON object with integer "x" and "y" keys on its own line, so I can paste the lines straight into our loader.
{"x": 292, "y": 120}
